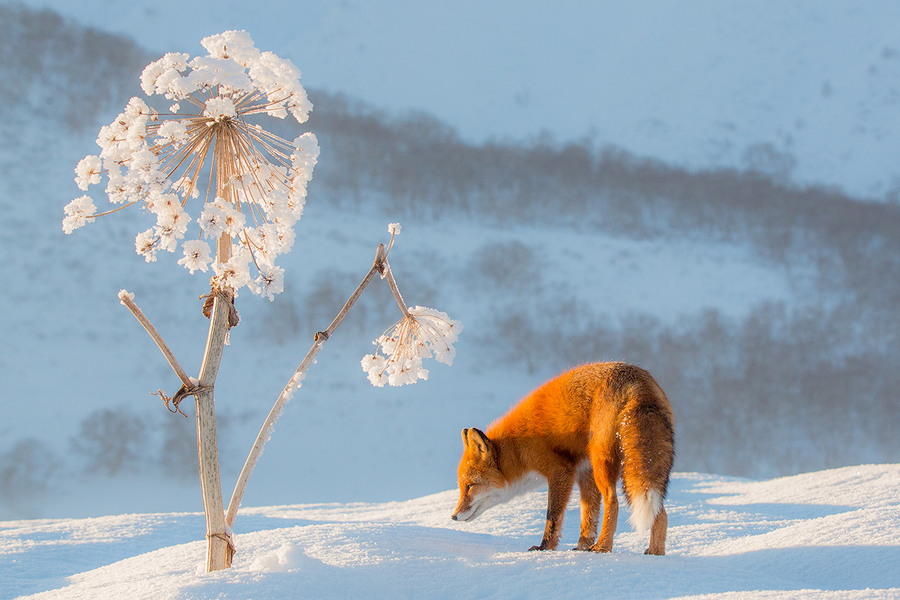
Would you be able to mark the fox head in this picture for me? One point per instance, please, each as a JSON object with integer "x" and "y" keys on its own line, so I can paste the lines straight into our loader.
{"x": 481, "y": 483}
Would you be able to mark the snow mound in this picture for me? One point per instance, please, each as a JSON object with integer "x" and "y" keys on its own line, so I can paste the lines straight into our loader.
{"x": 832, "y": 534}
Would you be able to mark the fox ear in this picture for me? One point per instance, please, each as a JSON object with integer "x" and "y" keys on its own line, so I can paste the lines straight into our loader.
{"x": 478, "y": 441}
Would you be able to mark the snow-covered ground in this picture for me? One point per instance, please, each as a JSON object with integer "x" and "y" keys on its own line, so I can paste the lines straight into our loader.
{"x": 831, "y": 534}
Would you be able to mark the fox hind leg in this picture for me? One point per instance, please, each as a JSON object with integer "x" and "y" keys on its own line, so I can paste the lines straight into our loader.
{"x": 606, "y": 462}
{"x": 606, "y": 475}
{"x": 658, "y": 533}
{"x": 590, "y": 508}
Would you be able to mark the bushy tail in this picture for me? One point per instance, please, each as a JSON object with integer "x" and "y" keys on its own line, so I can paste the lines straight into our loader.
{"x": 644, "y": 508}
{"x": 646, "y": 431}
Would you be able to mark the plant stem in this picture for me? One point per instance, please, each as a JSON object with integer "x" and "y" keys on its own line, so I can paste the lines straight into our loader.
{"x": 219, "y": 547}
{"x": 392, "y": 283}
{"x": 160, "y": 343}
{"x": 265, "y": 432}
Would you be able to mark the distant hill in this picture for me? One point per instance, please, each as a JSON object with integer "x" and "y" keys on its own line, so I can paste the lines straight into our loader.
{"x": 808, "y": 92}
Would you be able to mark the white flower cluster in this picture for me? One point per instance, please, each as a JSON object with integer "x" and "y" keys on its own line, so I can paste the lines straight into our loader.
{"x": 78, "y": 211}
{"x": 424, "y": 333}
{"x": 235, "y": 67}
{"x": 155, "y": 160}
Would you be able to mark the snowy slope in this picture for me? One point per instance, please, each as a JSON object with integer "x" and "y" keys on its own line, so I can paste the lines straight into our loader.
{"x": 831, "y": 534}
{"x": 698, "y": 84}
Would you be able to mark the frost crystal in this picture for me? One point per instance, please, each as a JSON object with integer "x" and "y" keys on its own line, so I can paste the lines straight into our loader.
{"x": 174, "y": 132}
{"x": 78, "y": 211}
{"x": 196, "y": 256}
{"x": 125, "y": 294}
{"x": 269, "y": 282}
{"x": 88, "y": 171}
{"x": 257, "y": 180}
{"x": 294, "y": 384}
{"x": 423, "y": 333}
{"x": 219, "y": 109}
{"x": 235, "y": 273}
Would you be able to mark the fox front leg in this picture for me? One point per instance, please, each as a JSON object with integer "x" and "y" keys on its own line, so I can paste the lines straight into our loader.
{"x": 559, "y": 489}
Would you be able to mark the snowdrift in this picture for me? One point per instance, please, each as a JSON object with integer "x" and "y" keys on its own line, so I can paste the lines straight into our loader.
{"x": 830, "y": 534}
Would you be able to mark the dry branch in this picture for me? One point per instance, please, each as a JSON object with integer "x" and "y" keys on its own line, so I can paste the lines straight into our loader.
{"x": 392, "y": 283}
{"x": 126, "y": 299}
{"x": 379, "y": 266}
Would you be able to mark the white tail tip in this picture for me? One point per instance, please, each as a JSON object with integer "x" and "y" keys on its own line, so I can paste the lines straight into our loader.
{"x": 644, "y": 509}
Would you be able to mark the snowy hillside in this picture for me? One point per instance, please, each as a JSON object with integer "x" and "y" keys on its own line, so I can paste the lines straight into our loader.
{"x": 807, "y": 91}
{"x": 766, "y": 311}
{"x": 832, "y": 535}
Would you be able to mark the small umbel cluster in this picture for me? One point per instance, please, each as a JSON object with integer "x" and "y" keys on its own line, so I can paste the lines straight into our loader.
{"x": 421, "y": 333}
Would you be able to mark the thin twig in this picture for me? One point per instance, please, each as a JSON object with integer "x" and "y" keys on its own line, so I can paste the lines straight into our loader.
{"x": 265, "y": 431}
{"x": 126, "y": 300}
{"x": 390, "y": 243}
{"x": 392, "y": 283}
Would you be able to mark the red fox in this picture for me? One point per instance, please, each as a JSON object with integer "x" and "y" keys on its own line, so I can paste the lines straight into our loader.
{"x": 589, "y": 425}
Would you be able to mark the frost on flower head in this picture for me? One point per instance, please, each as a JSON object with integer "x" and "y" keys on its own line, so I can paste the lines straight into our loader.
{"x": 196, "y": 256}
{"x": 88, "y": 171}
{"x": 423, "y": 333}
{"x": 219, "y": 109}
{"x": 78, "y": 211}
{"x": 269, "y": 282}
{"x": 253, "y": 187}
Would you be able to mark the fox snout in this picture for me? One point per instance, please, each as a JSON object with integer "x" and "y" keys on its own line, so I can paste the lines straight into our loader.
{"x": 465, "y": 517}
{"x": 465, "y": 508}
{"x": 463, "y": 511}
{"x": 471, "y": 505}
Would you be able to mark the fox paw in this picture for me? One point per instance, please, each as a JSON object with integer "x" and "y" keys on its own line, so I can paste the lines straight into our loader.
{"x": 583, "y": 546}
{"x": 541, "y": 547}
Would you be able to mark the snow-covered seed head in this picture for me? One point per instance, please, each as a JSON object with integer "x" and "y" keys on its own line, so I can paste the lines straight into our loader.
{"x": 423, "y": 333}
{"x": 78, "y": 211}
{"x": 256, "y": 189}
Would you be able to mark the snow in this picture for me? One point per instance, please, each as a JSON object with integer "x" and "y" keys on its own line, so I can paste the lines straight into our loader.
{"x": 832, "y": 534}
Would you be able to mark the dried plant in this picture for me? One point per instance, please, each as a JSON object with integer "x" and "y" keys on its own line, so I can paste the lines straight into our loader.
{"x": 421, "y": 333}
{"x": 256, "y": 182}
{"x": 252, "y": 189}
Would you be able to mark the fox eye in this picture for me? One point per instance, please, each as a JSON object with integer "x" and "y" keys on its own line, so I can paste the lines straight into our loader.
{"x": 470, "y": 486}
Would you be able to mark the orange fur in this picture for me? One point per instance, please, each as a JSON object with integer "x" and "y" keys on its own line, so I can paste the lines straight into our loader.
{"x": 589, "y": 426}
